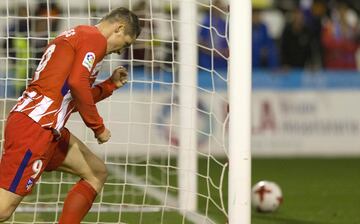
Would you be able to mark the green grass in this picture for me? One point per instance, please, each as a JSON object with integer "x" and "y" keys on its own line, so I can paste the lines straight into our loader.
{"x": 316, "y": 191}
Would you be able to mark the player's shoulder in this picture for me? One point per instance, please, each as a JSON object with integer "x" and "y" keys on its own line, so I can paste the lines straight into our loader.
{"x": 88, "y": 33}
{"x": 82, "y": 33}
{"x": 85, "y": 29}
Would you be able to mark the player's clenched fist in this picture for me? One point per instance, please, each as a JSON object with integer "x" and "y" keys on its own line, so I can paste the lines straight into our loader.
{"x": 119, "y": 76}
{"x": 104, "y": 136}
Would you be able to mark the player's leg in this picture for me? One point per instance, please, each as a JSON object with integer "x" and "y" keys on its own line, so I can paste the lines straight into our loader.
{"x": 26, "y": 153}
{"x": 82, "y": 162}
{"x": 8, "y": 203}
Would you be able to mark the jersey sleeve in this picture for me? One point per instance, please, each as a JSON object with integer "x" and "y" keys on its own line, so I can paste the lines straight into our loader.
{"x": 101, "y": 91}
{"x": 79, "y": 82}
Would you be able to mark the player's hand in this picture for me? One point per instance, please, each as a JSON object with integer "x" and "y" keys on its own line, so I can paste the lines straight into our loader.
{"x": 119, "y": 76}
{"x": 104, "y": 136}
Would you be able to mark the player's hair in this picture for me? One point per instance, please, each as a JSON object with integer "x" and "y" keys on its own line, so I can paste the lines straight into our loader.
{"x": 122, "y": 14}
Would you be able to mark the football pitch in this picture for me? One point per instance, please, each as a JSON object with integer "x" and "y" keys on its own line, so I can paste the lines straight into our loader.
{"x": 316, "y": 191}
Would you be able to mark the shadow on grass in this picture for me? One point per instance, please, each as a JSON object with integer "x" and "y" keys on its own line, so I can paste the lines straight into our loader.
{"x": 282, "y": 220}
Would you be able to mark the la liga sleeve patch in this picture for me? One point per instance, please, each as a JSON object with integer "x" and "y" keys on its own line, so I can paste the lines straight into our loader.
{"x": 89, "y": 60}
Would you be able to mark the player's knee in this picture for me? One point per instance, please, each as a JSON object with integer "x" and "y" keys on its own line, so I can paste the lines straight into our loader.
{"x": 102, "y": 173}
{"x": 97, "y": 176}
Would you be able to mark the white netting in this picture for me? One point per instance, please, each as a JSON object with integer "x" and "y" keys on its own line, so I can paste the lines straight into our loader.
{"x": 143, "y": 185}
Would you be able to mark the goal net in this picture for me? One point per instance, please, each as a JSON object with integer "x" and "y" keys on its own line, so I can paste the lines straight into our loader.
{"x": 167, "y": 157}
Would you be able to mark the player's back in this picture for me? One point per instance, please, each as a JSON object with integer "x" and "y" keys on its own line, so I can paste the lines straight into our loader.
{"x": 58, "y": 60}
{"x": 73, "y": 52}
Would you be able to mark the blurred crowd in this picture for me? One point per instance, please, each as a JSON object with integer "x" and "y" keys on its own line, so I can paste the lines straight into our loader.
{"x": 316, "y": 34}
{"x": 286, "y": 34}
{"x": 294, "y": 34}
{"x": 25, "y": 42}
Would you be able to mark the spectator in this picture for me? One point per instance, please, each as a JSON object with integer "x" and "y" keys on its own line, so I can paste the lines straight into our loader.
{"x": 296, "y": 42}
{"x": 314, "y": 16}
{"x": 264, "y": 50}
{"x": 40, "y": 28}
{"x": 40, "y": 33}
{"x": 213, "y": 50}
{"x": 20, "y": 49}
{"x": 17, "y": 46}
{"x": 339, "y": 39}
{"x": 139, "y": 48}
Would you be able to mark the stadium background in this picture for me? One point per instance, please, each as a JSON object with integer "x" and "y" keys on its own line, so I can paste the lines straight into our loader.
{"x": 306, "y": 120}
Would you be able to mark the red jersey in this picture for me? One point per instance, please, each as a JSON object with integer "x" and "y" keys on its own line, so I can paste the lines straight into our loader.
{"x": 63, "y": 80}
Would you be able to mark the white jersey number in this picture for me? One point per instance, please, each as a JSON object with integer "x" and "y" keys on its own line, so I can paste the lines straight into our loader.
{"x": 68, "y": 33}
{"x": 44, "y": 60}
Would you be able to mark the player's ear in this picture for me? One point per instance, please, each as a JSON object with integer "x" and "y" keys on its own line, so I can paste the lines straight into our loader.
{"x": 120, "y": 29}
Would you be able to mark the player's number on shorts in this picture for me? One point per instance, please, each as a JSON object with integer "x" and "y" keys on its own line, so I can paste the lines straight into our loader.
{"x": 44, "y": 60}
{"x": 37, "y": 168}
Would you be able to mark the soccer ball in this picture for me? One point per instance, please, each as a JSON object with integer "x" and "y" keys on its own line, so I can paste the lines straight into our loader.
{"x": 266, "y": 196}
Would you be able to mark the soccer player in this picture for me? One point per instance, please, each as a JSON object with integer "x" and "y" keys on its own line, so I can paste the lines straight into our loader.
{"x": 35, "y": 137}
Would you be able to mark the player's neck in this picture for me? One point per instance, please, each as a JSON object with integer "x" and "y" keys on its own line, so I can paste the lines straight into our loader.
{"x": 105, "y": 29}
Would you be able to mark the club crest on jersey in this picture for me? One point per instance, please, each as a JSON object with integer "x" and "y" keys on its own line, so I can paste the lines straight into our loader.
{"x": 89, "y": 60}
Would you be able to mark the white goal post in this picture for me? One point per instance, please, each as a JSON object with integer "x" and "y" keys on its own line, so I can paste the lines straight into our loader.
{"x": 180, "y": 146}
{"x": 240, "y": 108}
